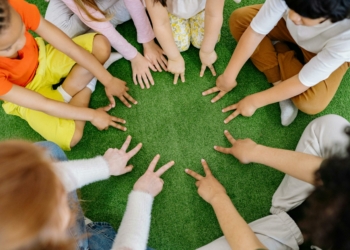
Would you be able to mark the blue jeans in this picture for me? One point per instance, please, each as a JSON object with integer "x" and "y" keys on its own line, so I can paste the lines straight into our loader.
{"x": 95, "y": 235}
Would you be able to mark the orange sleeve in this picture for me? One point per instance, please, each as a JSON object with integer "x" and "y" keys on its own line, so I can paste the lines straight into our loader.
{"x": 5, "y": 86}
{"x": 29, "y": 13}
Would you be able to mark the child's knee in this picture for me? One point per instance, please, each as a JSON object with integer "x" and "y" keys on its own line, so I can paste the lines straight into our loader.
{"x": 310, "y": 107}
{"x": 101, "y": 48}
{"x": 240, "y": 20}
{"x": 78, "y": 134}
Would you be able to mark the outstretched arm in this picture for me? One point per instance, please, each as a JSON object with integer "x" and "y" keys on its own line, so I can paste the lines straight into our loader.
{"x": 237, "y": 232}
{"x": 163, "y": 32}
{"x": 212, "y": 26}
{"x": 32, "y": 100}
{"x": 62, "y": 42}
{"x": 299, "y": 165}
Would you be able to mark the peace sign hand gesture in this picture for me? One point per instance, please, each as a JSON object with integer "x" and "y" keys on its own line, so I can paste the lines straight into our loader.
{"x": 245, "y": 107}
{"x": 150, "y": 182}
{"x": 208, "y": 187}
{"x": 243, "y": 150}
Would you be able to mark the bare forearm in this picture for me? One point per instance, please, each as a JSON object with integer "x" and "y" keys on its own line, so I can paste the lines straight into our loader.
{"x": 237, "y": 232}
{"x": 165, "y": 38}
{"x": 285, "y": 90}
{"x": 245, "y": 48}
{"x": 212, "y": 24}
{"x": 299, "y": 165}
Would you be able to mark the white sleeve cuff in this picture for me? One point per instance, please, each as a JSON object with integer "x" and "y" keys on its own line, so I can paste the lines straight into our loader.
{"x": 134, "y": 229}
{"x": 78, "y": 173}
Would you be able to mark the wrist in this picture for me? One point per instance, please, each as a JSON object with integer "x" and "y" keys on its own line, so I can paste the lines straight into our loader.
{"x": 218, "y": 198}
{"x": 257, "y": 152}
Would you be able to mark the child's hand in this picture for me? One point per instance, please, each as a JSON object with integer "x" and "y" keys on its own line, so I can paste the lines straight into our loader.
{"x": 150, "y": 182}
{"x": 102, "y": 120}
{"x": 118, "y": 88}
{"x": 118, "y": 158}
{"x": 155, "y": 56}
{"x": 246, "y": 107}
{"x": 222, "y": 86}
{"x": 140, "y": 71}
{"x": 207, "y": 59}
{"x": 208, "y": 187}
{"x": 177, "y": 67}
{"x": 241, "y": 149}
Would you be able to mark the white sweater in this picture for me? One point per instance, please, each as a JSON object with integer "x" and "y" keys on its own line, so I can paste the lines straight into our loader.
{"x": 134, "y": 229}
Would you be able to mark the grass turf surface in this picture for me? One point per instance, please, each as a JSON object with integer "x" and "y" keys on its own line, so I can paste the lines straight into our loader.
{"x": 180, "y": 124}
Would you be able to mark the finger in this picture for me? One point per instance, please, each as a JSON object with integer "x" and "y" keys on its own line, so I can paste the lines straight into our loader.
{"x": 163, "y": 169}
{"x": 153, "y": 163}
{"x": 128, "y": 169}
{"x": 229, "y": 137}
{"x": 182, "y": 77}
{"x": 145, "y": 80}
{"x": 117, "y": 126}
{"x": 164, "y": 63}
{"x": 218, "y": 97}
{"x": 139, "y": 78}
{"x": 119, "y": 120}
{"x": 210, "y": 91}
{"x": 158, "y": 67}
{"x": 149, "y": 76}
{"x": 126, "y": 143}
{"x": 107, "y": 108}
{"x": 212, "y": 69}
{"x": 231, "y": 107}
{"x": 151, "y": 66}
{"x": 198, "y": 177}
{"x": 198, "y": 183}
{"x": 202, "y": 70}
{"x": 134, "y": 151}
{"x": 232, "y": 116}
{"x": 125, "y": 101}
{"x": 129, "y": 97}
{"x": 206, "y": 167}
{"x": 222, "y": 150}
{"x": 111, "y": 101}
{"x": 176, "y": 77}
{"x": 134, "y": 79}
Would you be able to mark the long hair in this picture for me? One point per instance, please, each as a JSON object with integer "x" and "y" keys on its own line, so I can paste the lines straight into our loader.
{"x": 92, "y": 4}
{"x": 326, "y": 220}
{"x": 31, "y": 197}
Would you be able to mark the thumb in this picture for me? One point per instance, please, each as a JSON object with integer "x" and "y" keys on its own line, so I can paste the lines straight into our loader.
{"x": 128, "y": 169}
{"x": 107, "y": 108}
{"x": 112, "y": 101}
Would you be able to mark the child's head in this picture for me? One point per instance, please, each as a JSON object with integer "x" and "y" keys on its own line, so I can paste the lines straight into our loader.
{"x": 34, "y": 211}
{"x": 327, "y": 217}
{"x": 313, "y": 12}
{"x": 12, "y": 30}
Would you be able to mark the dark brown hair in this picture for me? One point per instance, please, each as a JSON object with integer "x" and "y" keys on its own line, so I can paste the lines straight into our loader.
{"x": 5, "y": 15}
{"x": 162, "y": 2}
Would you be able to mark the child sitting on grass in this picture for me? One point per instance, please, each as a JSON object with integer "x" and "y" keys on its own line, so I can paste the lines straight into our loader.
{"x": 267, "y": 34}
{"x": 28, "y": 70}
{"x": 177, "y": 23}
{"x": 76, "y": 17}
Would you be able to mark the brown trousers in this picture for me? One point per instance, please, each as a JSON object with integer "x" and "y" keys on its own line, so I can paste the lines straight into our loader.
{"x": 279, "y": 62}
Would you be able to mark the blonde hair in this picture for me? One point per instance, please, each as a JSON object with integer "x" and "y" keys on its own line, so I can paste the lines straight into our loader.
{"x": 92, "y": 4}
{"x": 30, "y": 199}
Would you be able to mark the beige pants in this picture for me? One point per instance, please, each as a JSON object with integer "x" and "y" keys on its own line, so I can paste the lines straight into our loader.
{"x": 279, "y": 62}
{"x": 323, "y": 137}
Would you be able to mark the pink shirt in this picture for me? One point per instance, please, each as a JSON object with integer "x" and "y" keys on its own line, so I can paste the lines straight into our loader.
{"x": 118, "y": 42}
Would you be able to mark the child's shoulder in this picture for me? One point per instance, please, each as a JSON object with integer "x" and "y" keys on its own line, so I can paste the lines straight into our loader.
{"x": 29, "y": 13}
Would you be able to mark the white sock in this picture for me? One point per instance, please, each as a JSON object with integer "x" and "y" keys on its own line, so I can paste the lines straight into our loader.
{"x": 288, "y": 112}
{"x": 66, "y": 97}
{"x": 115, "y": 56}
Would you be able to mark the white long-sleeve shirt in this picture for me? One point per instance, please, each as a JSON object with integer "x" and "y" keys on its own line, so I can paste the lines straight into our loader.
{"x": 330, "y": 41}
{"x": 134, "y": 229}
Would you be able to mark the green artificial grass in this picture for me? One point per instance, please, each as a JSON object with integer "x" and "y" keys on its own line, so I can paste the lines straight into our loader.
{"x": 180, "y": 124}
